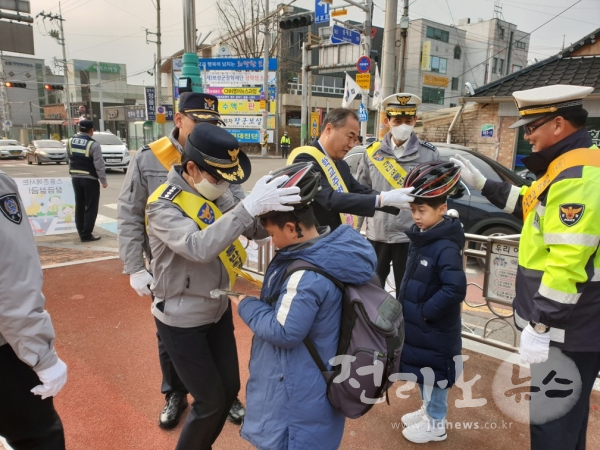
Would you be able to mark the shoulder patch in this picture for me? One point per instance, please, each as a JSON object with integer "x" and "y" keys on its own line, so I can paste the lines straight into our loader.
{"x": 10, "y": 207}
{"x": 429, "y": 145}
{"x": 571, "y": 213}
{"x": 170, "y": 192}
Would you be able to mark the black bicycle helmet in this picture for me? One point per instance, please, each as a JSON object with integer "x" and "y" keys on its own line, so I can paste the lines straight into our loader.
{"x": 302, "y": 175}
{"x": 432, "y": 179}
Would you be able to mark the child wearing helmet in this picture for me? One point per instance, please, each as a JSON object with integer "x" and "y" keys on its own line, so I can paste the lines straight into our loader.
{"x": 287, "y": 405}
{"x": 431, "y": 292}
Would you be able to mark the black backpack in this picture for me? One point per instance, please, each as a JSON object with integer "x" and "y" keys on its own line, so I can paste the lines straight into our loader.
{"x": 372, "y": 331}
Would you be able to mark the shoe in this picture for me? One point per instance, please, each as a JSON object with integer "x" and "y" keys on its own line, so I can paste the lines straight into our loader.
{"x": 423, "y": 431}
{"x": 413, "y": 417}
{"x": 236, "y": 412}
{"x": 91, "y": 238}
{"x": 171, "y": 413}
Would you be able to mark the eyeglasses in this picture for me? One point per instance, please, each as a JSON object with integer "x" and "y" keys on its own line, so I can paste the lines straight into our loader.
{"x": 531, "y": 128}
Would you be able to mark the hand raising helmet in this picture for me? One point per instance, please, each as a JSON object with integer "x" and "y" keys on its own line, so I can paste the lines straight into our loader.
{"x": 433, "y": 179}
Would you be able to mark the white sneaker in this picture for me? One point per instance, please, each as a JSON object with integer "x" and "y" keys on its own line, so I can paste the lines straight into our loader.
{"x": 424, "y": 431}
{"x": 413, "y": 417}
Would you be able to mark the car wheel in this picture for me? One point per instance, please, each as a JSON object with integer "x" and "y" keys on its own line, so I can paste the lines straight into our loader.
{"x": 125, "y": 170}
{"x": 37, "y": 160}
{"x": 29, "y": 161}
{"x": 58, "y": 162}
{"x": 492, "y": 231}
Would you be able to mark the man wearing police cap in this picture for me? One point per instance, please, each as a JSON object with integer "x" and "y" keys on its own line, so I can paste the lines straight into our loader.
{"x": 383, "y": 167}
{"x": 557, "y": 302}
{"x": 194, "y": 225}
{"x": 148, "y": 169}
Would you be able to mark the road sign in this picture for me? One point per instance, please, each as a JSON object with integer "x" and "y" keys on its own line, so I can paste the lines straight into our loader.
{"x": 344, "y": 35}
{"x": 487, "y": 130}
{"x": 339, "y": 12}
{"x": 160, "y": 110}
{"x": 363, "y": 64}
{"x": 263, "y": 104}
{"x": 364, "y": 81}
{"x": 161, "y": 118}
{"x": 321, "y": 11}
{"x": 314, "y": 124}
{"x": 363, "y": 115}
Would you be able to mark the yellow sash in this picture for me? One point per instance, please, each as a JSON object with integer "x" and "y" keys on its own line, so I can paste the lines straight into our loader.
{"x": 204, "y": 213}
{"x": 573, "y": 158}
{"x": 165, "y": 152}
{"x": 391, "y": 170}
{"x": 332, "y": 174}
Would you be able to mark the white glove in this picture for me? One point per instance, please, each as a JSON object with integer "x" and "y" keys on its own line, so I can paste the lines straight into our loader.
{"x": 396, "y": 197}
{"x": 534, "y": 346}
{"x": 140, "y": 282}
{"x": 266, "y": 196}
{"x": 53, "y": 379}
{"x": 469, "y": 173}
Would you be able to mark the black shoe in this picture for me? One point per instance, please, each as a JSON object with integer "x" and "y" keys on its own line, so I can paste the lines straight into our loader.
{"x": 91, "y": 238}
{"x": 236, "y": 412}
{"x": 171, "y": 413}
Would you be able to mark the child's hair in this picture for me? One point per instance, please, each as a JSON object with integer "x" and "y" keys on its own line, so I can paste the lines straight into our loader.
{"x": 304, "y": 216}
{"x": 433, "y": 202}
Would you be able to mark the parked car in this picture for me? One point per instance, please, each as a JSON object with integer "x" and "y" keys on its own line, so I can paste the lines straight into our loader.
{"x": 114, "y": 151}
{"x": 46, "y": 150}
{"x": 9, "y": 148}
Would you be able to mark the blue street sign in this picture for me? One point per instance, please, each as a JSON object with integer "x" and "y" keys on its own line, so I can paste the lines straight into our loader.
{"x": 341, "y": 34}
{"x": 363, "y": 65}
{"x": 321, "y": 11}
{"x": 363, "y": 115}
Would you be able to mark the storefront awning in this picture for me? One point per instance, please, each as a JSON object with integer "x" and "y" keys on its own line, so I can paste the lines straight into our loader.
{"x": 50, "y": 122}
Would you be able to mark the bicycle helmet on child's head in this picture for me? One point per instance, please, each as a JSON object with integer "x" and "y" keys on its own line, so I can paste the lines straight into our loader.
{"x": 432, "y": 179}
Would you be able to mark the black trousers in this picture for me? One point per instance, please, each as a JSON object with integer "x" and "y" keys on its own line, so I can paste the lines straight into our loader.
{"x": 284, "y": 151}
{"x": 206, "y": 360}
{"x": 26, "y": 421}
{"x": 568, "y": 432}
{"x": 87, "y": 198}
{"x": 391, "y": 253}
{"x": 170, "y": 380}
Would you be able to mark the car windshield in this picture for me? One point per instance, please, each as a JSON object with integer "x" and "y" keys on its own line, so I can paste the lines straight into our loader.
{"x": 7, "y": 142}
{"x": 48, "y": 144}
{"x": 107, "y": 139}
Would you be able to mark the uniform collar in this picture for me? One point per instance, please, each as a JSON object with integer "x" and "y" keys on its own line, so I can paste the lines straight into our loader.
{"x": 411, "y": 146}
{"x": 173, "y": 138}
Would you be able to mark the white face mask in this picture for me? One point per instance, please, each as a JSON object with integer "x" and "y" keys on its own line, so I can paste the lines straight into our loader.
{"x": 211, "y": 191}
{"x": 402, "y": 132}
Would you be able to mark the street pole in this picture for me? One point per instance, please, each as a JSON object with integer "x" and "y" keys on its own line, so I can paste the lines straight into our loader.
{"x": 265, "y": 119}
{"x": 66, "y": 72}
{"x": 388, "y": 59}
{"x": 404, "y": 33}
{"x": 189, "y": 59}
{"x": 366, "y": 51}
{"x": 304, "y": 110}
{"x": 158, "y": 97}
{"x": 100, "y": 96}
{"x": 31, "y": 116}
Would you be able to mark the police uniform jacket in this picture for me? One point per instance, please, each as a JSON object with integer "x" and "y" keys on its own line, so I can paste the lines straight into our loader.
{"x": 186, "y": 264}
{"x": 96, "y": 161}
{"x": 24, "y": 323}
{"x": 558, "y": 278}
{"x": 359, "y": 200}
{"x": 386, "y": 227}
{"x": 144, "y": 175}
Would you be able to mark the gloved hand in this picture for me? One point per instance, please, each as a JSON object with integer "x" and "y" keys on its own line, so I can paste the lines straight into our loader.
{"x": 396, "y": 197}
{"x": 53, "y": 379}
{"x": 266, "y": 196}
{"x": 469, "y": 173}
{"x": 534, "y": 346}
{"x": 140, "y": 282}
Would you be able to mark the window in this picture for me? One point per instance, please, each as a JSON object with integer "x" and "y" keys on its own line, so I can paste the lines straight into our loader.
{"x": 433, "y": 95}
{"x": 520, "y": 45}
{"x": 495, "y": 65}
{"x": 452, "y": 105}
{"x": 501, "y": 67}
{"x": 438, "y": 64}
{"x": 516, "y": 68}
{"x": 457, "y": 52}
{"x": 501, "y": 33}
{"x": 437, "y": 34}
{"x": 454, "y": 84}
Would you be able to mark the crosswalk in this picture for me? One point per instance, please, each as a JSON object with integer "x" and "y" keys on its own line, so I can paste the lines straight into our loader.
{"x": 107, "y": 223}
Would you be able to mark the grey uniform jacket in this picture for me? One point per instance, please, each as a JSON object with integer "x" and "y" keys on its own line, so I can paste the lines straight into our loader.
{"x": 24, "y": 323}
{"x": 186, "y": 264}
{"x": 144, "y": 175}
{"x": 384, "y": 227}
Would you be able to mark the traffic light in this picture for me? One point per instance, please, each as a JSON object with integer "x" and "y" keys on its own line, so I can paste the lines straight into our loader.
{"x": 301, "y": 20}
{"x": 13, "y": 84}
{"x": 53, "y": 87}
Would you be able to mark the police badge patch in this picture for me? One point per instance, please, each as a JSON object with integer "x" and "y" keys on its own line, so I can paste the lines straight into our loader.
{"x": 206, "y": 214}
{"x": 571, "y": 213}
{"x": 9, "y": 205}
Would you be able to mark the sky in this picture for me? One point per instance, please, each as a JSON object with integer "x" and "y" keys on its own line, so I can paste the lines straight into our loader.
{"x": 114, "y": 30}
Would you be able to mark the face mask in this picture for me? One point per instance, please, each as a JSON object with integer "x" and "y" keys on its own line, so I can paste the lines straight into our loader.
{"x": 211, "y": 191}
{"x": 402, "y": 132}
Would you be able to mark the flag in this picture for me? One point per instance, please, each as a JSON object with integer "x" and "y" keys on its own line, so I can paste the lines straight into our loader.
{"x": 377, "y": 88}
{"x": 351, "y": 90}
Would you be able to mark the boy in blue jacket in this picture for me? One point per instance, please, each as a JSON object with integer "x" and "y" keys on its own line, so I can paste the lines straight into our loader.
{"x": 287, "y": 406}
{"x": 431, "y": 292}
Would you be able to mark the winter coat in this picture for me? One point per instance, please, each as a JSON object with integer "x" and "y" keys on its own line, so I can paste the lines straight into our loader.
{"x": 431, "y": 292}
{"x": 287, "y": 407}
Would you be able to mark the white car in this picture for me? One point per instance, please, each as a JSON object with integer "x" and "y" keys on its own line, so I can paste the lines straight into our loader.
{"x": 9, "y": 148}
{"x": 115, "y": 153}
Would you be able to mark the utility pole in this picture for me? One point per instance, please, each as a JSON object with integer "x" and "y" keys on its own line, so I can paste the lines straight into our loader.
{"x": 157, "y": 60}
{"x": 388, "y": 57}
{"x": 100, "y": 96}
{"x": 31, "y": 116}
{"x": 190, "y": 70}
{"x": 404, "y": 34}
{"x": 265, "y": 118}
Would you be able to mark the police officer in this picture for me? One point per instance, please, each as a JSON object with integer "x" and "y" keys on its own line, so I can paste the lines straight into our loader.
{"x": 557, "y": 302}
{"x": 30, "y": 371}
{"x": 285, "y": 144}
{"x": 148, "y": 169}
{"x": 401, "y": 150}
{"x": 194, "y": 224}
{"x": 86, "y": 167}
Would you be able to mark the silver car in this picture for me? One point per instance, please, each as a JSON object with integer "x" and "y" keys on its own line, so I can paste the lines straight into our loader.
{"x": 46, "y": 151}
{"x": 9, "y": 148}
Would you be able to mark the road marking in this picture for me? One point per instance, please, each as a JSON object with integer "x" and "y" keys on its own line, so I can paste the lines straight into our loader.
{"x": 111, "y": 205}
{"x": 108, "y": 223}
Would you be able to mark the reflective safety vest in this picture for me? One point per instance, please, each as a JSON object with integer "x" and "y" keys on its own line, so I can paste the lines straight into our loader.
{"x": 285, "y": 140}
{"x": 80, "y": 161}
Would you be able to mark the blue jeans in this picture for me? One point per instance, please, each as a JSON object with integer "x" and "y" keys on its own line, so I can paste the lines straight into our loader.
{"x": 436, "y": 407}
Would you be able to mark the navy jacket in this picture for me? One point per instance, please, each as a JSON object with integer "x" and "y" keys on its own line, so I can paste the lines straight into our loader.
{"x": 431, "y": 292}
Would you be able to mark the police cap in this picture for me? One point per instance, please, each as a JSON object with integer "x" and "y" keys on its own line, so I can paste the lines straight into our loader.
{"x": 201, "y": 107}
{"x": 400, "y": 104}
{"x": 86, "y": 124}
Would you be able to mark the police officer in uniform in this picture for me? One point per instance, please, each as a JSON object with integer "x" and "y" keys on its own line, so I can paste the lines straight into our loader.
{"x": 401, "y": 149}
{"x": 148, "y": 169}
{"x": 557, "y": 303}
{"x": 86, "y": 167}
{"x": 194, "y": 223}
{"x": 285, "y": 144}
{"x": 30, "y": 371}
